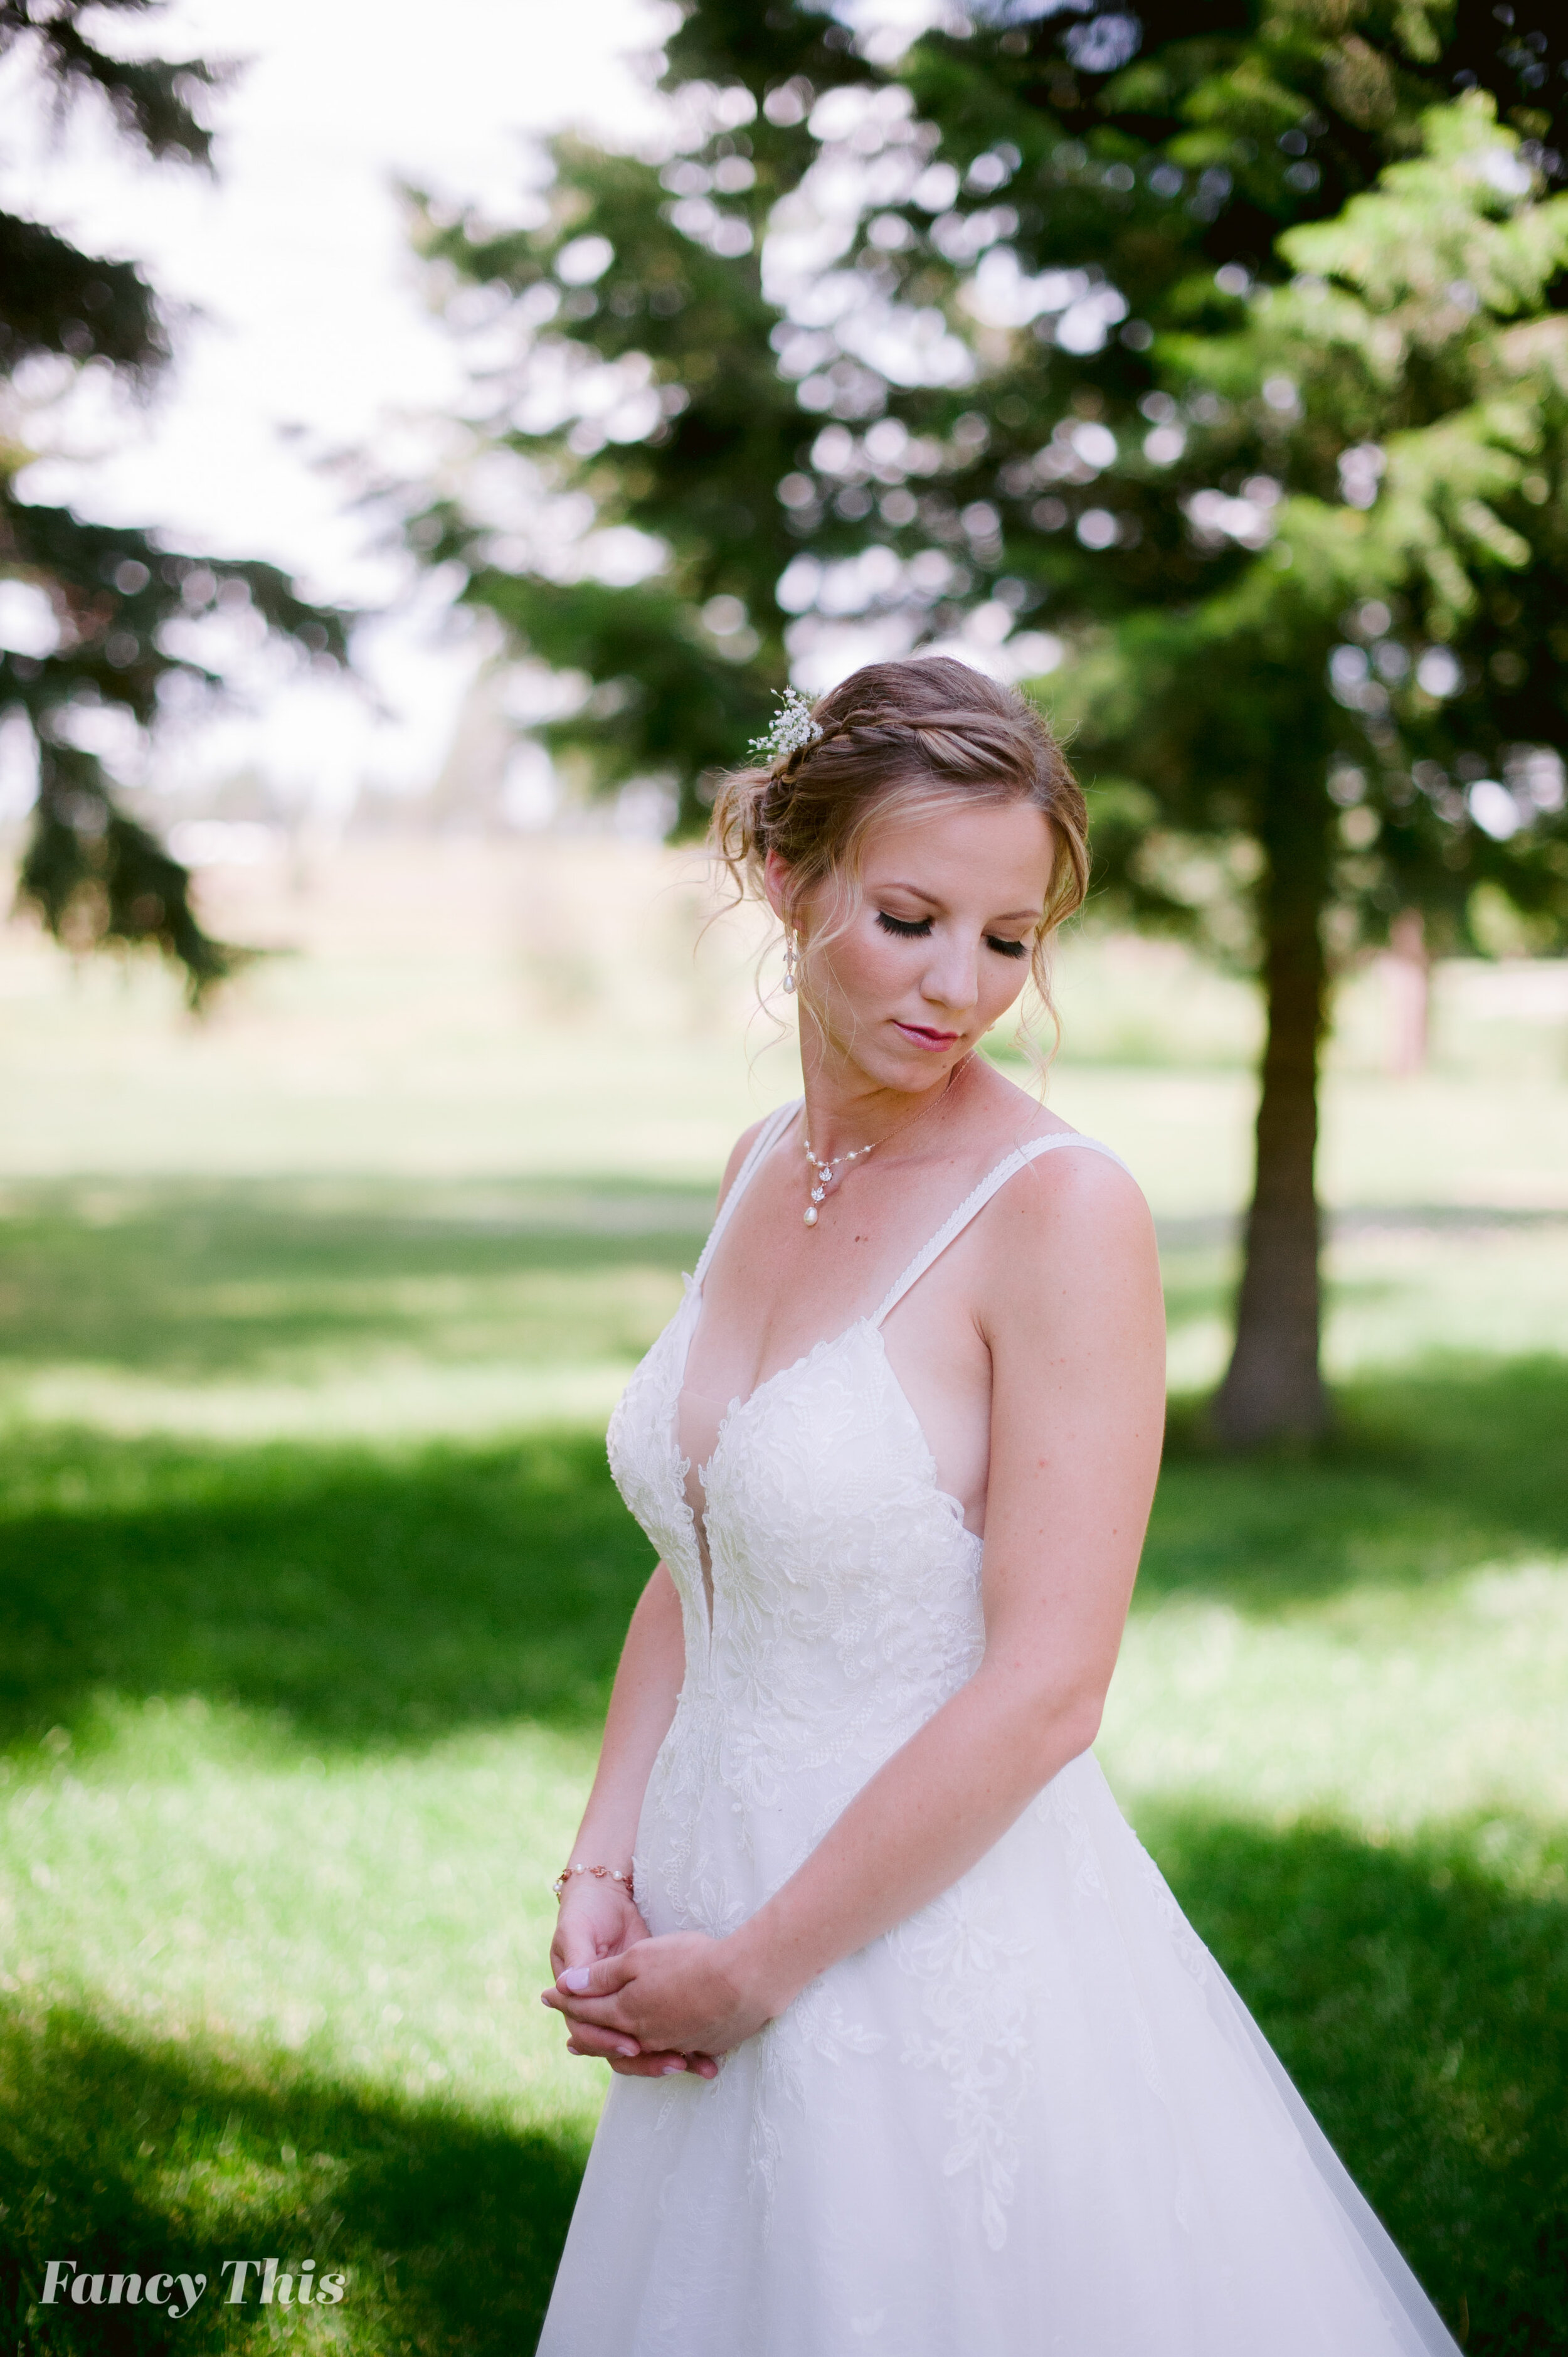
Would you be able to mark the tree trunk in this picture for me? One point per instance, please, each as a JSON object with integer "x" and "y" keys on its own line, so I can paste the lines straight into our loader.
{"x": 1274, "y": 1389}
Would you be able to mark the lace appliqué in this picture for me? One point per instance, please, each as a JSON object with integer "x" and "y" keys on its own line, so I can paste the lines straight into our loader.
{"x": 975, "y": 1992}
{"x": 814, "y": 2024}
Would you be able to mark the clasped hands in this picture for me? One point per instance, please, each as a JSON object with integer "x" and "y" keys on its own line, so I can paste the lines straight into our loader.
{"x": 648, "y": 2006}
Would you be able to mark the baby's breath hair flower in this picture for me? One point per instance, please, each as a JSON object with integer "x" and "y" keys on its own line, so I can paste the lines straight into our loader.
{"x": 792, "y": 731}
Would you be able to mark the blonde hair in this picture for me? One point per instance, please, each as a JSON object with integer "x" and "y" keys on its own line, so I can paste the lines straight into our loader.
{"x": 891, "y": 736}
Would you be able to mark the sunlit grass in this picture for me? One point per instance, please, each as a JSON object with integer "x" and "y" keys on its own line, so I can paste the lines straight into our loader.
{"x": 296, "y": 1741}
{"x": 312, "y": 1582}
{"x": 296, "y": 1736}
{"x": 407, "y": 1307}
{"x": 295, "y": 1732}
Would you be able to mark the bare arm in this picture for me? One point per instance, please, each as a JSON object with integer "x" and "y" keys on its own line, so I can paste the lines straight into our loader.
{"x": 642, "y": 1704}
{"x": 1071, "y": 1309}
{"x": 598, "y": 1917}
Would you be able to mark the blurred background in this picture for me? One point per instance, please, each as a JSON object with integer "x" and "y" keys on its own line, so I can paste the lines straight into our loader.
{"x": 426, "y": 454}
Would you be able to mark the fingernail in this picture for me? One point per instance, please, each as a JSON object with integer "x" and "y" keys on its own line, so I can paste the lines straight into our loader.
{"x": 629, "y": 2050}
{"x": 671, "y": 2069}
{"x": 577, "y": 1980}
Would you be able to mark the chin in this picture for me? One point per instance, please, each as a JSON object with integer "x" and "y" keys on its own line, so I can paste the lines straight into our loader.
{"x": 913, "y": 1068}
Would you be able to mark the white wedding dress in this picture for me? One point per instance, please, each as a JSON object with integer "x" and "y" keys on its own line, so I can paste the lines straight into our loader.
{"x": 1033, "y": 2118}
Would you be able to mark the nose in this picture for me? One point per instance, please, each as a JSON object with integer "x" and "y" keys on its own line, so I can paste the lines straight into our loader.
{"x": 951, "y": 978}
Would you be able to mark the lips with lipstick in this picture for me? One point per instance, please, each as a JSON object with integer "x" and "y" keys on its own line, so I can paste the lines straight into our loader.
{"x": 921, "y": 1036}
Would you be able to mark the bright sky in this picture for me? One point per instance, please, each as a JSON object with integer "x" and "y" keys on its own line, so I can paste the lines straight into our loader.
{"x": 305, "y": 329}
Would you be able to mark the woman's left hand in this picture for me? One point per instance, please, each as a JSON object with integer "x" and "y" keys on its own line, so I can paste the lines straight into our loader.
{"x": 682, "y": 1993}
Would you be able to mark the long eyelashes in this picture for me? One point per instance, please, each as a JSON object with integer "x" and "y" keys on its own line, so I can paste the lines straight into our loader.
{"x": 915, "y": 929}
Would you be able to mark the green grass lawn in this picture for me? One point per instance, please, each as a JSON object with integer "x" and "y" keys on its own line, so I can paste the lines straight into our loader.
{"x": 312, "y": 1582}
{"x": 295, "y": 1726}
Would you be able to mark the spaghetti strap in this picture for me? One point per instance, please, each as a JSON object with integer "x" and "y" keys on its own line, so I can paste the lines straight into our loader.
{"x": 767, "y": 1138}
{"x": 976, "y": 1201}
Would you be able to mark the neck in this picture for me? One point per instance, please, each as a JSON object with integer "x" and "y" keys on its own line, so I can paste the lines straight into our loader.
{"x": 848, "y": 1109}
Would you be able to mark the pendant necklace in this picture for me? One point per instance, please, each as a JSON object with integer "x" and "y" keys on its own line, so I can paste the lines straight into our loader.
{"x": 826, "y": 1174}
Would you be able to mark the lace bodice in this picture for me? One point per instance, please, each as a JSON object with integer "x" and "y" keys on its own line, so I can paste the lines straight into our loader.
{"x": 845, "y": 1587}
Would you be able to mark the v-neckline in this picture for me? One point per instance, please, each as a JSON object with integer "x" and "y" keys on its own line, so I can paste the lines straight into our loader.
{"x": 737, "y": 1405}
{"x": 737, "y": 1408}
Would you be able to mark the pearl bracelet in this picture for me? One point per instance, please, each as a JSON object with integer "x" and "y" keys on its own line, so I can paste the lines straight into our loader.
{"x": 604, "y": 1873}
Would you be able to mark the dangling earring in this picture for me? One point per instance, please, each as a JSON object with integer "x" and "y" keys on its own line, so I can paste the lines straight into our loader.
{"x": 791, "y": 960}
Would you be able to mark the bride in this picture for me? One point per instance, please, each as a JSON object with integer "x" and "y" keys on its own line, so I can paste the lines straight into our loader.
{"x": 915, "y": 2052}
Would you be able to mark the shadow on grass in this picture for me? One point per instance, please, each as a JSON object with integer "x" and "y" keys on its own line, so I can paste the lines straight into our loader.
{"x": 352, "y": 1598}
{"x": 356, "y": 1597}
{"x": 163, "y": 2159}
{"x": 180, "y": 1279}
{"x": 1422, "y": 2008}
{"x": 1431, "y": 1472}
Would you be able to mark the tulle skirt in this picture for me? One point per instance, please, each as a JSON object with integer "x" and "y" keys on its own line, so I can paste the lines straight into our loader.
{"x": 1033, "y": 2118}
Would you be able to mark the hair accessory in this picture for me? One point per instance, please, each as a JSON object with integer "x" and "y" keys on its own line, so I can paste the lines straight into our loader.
{"x": 792, "y": 731}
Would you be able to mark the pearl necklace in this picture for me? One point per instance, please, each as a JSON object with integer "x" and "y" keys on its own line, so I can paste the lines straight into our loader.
{"x": 823, "y": 1174}
{"x": 826, "y": 1174}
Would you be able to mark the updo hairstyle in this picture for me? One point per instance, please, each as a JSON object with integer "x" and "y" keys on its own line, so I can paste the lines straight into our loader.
{"x": 895, "y": 737}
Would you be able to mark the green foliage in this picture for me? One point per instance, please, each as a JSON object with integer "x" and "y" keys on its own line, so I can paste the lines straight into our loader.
{"x": 97, "y": 876}
{"x": 58, "y": 300}
{"x": 1159, "y": 189}
{"x": 55, "y": 298}
{"x": 671, "y": 421}
{"x": 149, "y": 97}
{"x": 115, "y": 606}
{"x": 1409, "y": 331}
{"x": 1225, "y": 343}
{"x": 1416, "y": 338}
{"x": 125, "y": 617}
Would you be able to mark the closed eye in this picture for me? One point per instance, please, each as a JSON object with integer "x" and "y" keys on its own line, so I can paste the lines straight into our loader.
{"x": 915, "y": 929}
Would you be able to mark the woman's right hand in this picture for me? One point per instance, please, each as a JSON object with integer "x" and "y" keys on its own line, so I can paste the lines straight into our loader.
{"x": 598, "y": 1918}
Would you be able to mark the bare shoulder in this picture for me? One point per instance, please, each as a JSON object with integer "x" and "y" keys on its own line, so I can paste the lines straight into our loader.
{"x": 1077, "y": 1176}
{"x": 1072, "y": 1226}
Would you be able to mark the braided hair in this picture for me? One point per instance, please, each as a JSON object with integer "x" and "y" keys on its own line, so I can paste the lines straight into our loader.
{"x": 895, "y": 736}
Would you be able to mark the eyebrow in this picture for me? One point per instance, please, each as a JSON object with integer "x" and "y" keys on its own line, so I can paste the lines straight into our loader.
{"x": 915, "y": 892}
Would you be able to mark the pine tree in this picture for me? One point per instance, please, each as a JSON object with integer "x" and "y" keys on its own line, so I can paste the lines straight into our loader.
{"x": 1374, "y": 701}
{"x": 1171, "y": 390}
{"x": 96, "y": 613}
{"x": 637, "y": 379}
{"x": 1180, "y": 182}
